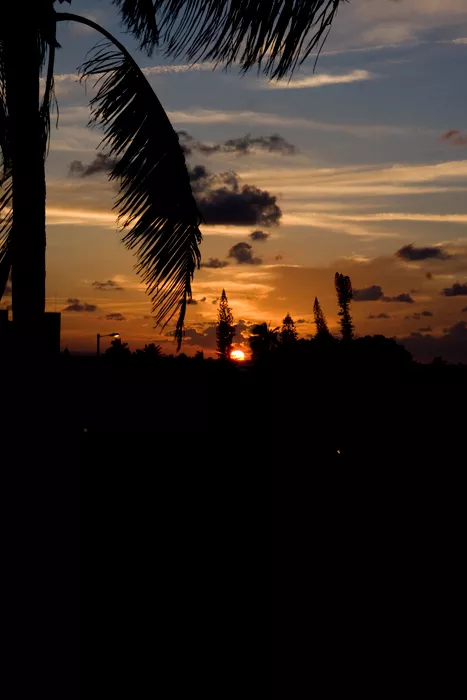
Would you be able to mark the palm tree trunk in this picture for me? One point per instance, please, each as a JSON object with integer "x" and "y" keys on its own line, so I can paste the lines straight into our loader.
{"x": 22, "y": 56}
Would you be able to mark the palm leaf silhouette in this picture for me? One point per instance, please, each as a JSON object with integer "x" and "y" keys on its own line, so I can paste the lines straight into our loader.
{"x": 140, "y": 18}
{"x": 277, "y": 35}
{"x": 6, "y": 196}
{"x": 156, "y": 208}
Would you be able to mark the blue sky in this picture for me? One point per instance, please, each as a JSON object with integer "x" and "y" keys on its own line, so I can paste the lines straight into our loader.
{"x": 372, "y": 174}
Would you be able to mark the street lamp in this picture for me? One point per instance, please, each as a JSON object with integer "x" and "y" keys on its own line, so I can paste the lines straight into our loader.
{"x": 107, "y": 335}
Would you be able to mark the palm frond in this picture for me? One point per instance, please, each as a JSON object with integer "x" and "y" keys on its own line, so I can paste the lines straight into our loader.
{"x": 140, "y": 18}
{"x": 6, "y": 227}
{"x": 49, "y": 98}
{"x": 6, "y": 186}
{"x": 155, "y": 204}
{"x": 5, "y": 154}
{"x": 276, "y": 35}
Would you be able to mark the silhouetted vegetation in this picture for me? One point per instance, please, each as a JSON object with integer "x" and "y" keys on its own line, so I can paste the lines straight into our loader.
{"x": 322, "y": 330}
{"x": 288, "y": 332}
{"x": 225, "y": 330}
{"x": 344, "y": 297}
{"x": 263, "y": 340}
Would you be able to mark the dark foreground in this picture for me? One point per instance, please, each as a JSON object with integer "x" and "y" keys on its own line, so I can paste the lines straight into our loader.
{"x": 366, "y": 409}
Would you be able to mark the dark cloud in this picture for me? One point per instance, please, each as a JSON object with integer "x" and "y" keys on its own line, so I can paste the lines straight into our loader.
{"x": 222, "y": 200}
{"x": 243, "y": 254}
{"x": 215, "y": 263}
{"x": 455, "y": 137}
{"x": 429, "y": 276}
{"x": 110, "y": 285}
{"x": 259, "y": 236}
{"x": 203, "y": 300}
{"x": 240, "y": 146}
{"x": 301, "y": 320}
{"x": 402, "y": 298}
{"x": 428, "y": 329}
{"x": 409, "y": 252}
{"x": 101, "y": 164}
{"x": 383, "y": 316}
{"x": 206, "y": 339}
{"x": 464, "y": 310}
{"x": 457, "y": 290}
{"x": 7, "y": 291}
{"x": 452, "y": 346}
{"x": 115, "y": 317}
{"x": 279, "y": 257}
{"x": 372, "y": 293}
{"x": 75, "y": 305}
{"x": 192, "y": 302}
{"x": 375, "y": 293}
{"x": 417, "y": 316}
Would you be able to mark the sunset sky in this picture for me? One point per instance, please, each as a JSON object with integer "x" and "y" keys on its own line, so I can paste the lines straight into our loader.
{"x": 369, "y": 176}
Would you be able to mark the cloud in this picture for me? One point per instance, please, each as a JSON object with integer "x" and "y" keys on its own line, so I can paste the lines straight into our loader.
{"x": 464, "y": 310}
{"x": 110, "y": 285}
{"x": 180, "y": 68}
{"x": 402, "y": 298}
{"x": 320, "y": 80}
{"x": 116, "y": 316}
{"x": 455, "y": 137}
{"x": 243, "y": 254}
{"x": 259, "y": 236}
{"x": 222, "y": 200}
{"x": 428, "y": 329}
{"x": 409, "y": 252}
{"x": 457, "y": 290}
{"x": 242, "y": 146}
{"x": 210, "y": 116}
{"x": 452, "y": 346}
{"x": 372, "y": 293}
{"x": 206, "y": 339}
{"x": 7, "y": 291}
{"x": 375, "y": 293}
{"x": 75, "y": 305}
{"x": 191, "y": 302}
{"x": 215, "y": 263}
{"x": 382, "y": 316}
{"x": 301, "y": 320}
{"x": 101, "y": 164}
{"x": 417, "y": 316}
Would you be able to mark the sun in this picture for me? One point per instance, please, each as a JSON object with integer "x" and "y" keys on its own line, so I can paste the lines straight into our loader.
{"x": 237, "y": 355}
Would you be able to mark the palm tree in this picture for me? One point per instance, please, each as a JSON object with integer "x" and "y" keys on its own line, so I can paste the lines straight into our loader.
{"x": 263, "y": 339}
{"x": 157, "y": 212}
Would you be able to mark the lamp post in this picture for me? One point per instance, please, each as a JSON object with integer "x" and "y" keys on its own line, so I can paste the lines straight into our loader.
{"x": 107, "y": 335}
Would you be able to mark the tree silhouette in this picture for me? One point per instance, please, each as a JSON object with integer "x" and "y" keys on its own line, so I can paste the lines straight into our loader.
{"x": 322, "y": 330}
{"x": 150, "y": 353}
{"x": 156, "y": 208}
{"x": 288, "y": 332}
{"x": 225, "y": 329}
{"x": 263, "y": 339}
{"x": 118, "y": 349}
{"x": 344, "y": 297}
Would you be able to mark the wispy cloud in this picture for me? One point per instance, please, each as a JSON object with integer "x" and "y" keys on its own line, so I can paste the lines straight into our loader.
{"x": 180, "y": 68}
{"x": 320, "y": 80}
{"x": 405, "y": 216}
{"x": 148, "y": 70}
{"x": 209, "y": 116}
